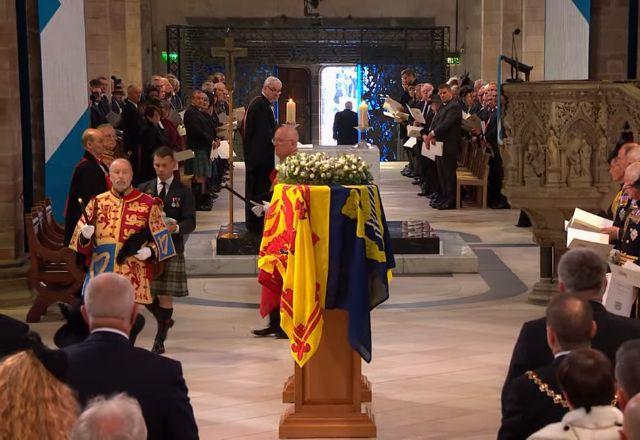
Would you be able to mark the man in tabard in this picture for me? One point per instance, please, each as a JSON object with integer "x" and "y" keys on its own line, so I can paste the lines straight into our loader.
{"x": 258, "y": 129}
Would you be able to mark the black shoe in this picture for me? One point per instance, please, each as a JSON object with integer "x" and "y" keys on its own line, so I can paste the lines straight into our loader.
{"x": 422, "y": 194}
{"x": 435, "y": 202}
{"x": 164, "y": 324}
{"x": 266, "y": 331}
{"x": 138, "y": 325}
{"x": 280, "y": 334}
{"x": 444, "y": 206}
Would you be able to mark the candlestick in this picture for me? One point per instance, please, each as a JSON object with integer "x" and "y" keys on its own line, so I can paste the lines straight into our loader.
{"x": 291, "y": 112}
{"x": 363, "y": 115}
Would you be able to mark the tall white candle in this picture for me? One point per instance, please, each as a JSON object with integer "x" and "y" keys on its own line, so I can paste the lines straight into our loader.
{"x": 363, "y": 115}
{"x": 291, "y": 112}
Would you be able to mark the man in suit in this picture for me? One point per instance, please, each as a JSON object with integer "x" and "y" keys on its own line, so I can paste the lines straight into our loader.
{"x": 627, "y": 372}
{"x": 581, "y": 272}
{"x": 201, "y": 138}
{"x": 257, "y": 139}
{"x": 180, "y": 212}
{"x": 529, "y": 408}
{"x": 344, "y": 125}
{"x": 106, "y": 363}
{"x": 90, "y": 178}
{"x": 131, "y": 121}
{"x": 446, "y": 128}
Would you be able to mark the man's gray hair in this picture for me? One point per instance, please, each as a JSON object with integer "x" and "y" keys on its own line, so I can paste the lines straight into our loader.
{"x": 628, "y": 367}
{"x": 109, "y": 295}
{"x": 114, "y": 418}
{"x": 582, "y": 270}
{"x": 271, "y": 81}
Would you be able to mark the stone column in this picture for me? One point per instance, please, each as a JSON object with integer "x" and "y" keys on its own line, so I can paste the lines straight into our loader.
{"x": 533, "y": 23}
{"x": 114, "y": 41}
{"x": 13, "y": 289}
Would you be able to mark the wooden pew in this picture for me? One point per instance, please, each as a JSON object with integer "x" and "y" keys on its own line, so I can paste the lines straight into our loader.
{"x": 476, "y": 175}
{"x": 51, "y": 226}
{"x": 53, "y": 273}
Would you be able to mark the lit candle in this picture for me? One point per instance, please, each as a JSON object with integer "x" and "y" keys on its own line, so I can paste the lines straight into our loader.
{"x": 363, "y": 115}
{"x": 291, "y": 112}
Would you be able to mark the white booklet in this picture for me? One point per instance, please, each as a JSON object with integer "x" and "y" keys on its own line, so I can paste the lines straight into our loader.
{"x": 436, "y": 148}
{"x": 414, "y": 132}
{"x": 224, "y": 150}
{"x": 417, "y": 115}
{"x": 183, "y": 155}
{"x": 428, "y": 153}
{"x": 410, "y": 142}
{"x": 587, "y": 221}
{"x": 619, "y": 294}
{"x": 593, "y": 240}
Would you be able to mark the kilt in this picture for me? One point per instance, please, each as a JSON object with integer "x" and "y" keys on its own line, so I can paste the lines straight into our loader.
{"x": 201, "y": 164}
{"x": 173, "y": 279}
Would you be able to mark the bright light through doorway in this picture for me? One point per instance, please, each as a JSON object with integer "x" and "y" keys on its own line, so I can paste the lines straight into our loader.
{"x": 338, "y": 84}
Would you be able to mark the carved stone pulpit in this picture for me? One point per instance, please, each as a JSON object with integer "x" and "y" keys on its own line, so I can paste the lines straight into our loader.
{"x": 557, "y": 137}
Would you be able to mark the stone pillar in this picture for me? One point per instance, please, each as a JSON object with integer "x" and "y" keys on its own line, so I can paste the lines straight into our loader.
{"x": 608, "y": 40}
{"x": 12, "y": 282}
{"x": 533, "y": 23}
{"x": 491, "y": 38}
{"x": 114, "y": 41}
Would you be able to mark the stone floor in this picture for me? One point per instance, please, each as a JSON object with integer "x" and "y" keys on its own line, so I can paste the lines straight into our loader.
{"x": 441, "y": 343}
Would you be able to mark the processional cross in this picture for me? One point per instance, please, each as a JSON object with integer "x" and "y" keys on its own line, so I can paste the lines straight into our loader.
{"x": 229, "y": 52}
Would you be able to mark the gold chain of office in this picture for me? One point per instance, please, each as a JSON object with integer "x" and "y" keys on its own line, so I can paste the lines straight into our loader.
{"x": 557, "y": 398}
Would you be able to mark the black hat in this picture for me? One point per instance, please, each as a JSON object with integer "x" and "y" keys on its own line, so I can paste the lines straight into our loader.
{"x": 13, "y": 335}
{"x": 435, "y": 98}
{"x": 74, "y": 331}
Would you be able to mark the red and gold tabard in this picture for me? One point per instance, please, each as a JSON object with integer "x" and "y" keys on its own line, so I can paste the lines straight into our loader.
{"x": 116, "y": 219}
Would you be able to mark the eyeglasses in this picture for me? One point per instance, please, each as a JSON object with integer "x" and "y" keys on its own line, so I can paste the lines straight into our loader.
{"x": 282, "y": 141}
{"x": 274, "y": 90}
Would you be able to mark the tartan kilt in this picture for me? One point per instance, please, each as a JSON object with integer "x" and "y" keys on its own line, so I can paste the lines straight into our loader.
{"x": 173, "y": 279}
{"x": 201, "y": 164}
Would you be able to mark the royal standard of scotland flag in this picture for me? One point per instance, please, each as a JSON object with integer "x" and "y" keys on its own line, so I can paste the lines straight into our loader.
{"x": 324, "y": 246}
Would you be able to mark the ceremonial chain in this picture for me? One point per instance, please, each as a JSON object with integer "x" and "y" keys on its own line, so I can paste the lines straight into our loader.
{"x": 557, "y": 398}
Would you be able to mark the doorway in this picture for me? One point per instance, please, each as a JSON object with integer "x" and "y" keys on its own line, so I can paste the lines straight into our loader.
{"x": 296, "y": 84}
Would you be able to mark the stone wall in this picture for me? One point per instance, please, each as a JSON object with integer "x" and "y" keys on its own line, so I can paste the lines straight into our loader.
{"x": 608, "y": 39}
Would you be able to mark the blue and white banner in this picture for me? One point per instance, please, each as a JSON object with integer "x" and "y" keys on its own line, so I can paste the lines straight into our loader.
{"x": 64, "y": 90}
{"x": 566, "y": 49}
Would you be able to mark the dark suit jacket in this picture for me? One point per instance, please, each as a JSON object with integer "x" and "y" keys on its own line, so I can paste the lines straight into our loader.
{"x": 201, "y": 131}
{"x": 491, "y": 131}
{"x": 527, "y": 409}
{"x": 89, "y": 179}
{"x": 531, "y": 350}
{"x": 344, "y": 124}
{"x": 131, "y": 122}
{"x": 257, "y": 135}
{"x": 106, "y": 363}
{"x": 178, "y": 204}
{"x": 97, "y": 115}
{"x": 446, "y": 126}
{"x": 151, "y": 138}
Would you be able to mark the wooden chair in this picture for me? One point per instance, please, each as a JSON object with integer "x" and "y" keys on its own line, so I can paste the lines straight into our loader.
{"x": 53, "y": 273}
{"x": 51, "y": 226}
{"x": 477, "y": 176}
{"x": 49, "y": 237}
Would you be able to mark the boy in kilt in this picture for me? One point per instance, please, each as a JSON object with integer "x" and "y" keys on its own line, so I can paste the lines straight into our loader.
{"x": 180, "y": 216}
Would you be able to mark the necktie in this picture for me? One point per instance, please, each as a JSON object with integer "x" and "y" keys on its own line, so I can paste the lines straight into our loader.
{"x": 163, "y": 191}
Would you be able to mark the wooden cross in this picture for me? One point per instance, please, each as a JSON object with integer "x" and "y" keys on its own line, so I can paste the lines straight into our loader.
{"x": 229, "y": 52}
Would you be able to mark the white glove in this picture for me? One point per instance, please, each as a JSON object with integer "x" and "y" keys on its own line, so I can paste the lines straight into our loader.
{"x": 259, "y": 209}
{"x": 87, "y": 231}
{"x": 143, "y": 253}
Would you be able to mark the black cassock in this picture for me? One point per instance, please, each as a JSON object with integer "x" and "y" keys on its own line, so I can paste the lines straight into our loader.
{"x": 257, "y": 139}
{"x": 89, "y": 179}
{"x": 344, "y": 124}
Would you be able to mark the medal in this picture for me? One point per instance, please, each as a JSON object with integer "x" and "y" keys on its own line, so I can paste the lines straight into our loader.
{"x": 634, "y": 234}
{"x": 175, "y": 202}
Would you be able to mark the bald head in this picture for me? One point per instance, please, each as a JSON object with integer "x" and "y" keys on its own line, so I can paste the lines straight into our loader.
{"x": 285, "y": 141}
{"x": 109, "y": 298}
{"x": 631, "y": 176}
{"x": 93, "y": 141}
{"x": 121, "y": 174}
{"x": 631, "y": 424}
{"x": 348, "y": 105}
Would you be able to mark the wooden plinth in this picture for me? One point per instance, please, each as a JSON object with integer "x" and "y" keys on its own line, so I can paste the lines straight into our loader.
{"x": 327, "y": 391}
{"x": 289, "y": 390}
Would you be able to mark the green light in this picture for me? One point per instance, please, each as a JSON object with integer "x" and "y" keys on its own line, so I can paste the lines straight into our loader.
{"x": 164, "y": 56}
{"x": 173, "y": 56}
{"x": 453, "y": 60}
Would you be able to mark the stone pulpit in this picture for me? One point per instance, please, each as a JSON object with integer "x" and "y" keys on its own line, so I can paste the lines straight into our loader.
{"x": 557, "y": 135}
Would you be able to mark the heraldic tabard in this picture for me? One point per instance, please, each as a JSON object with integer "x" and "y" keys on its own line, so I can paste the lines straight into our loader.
{"x": 324, "y": 247}
{"x": 118, "y": 219}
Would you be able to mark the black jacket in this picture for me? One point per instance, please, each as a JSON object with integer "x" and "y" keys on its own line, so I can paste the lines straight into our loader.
{"x": 178, "y": 204}
{"x": 532, "y": 351}
{"x": 447, "y": 125}
{"x": 257, "y": 135}
{"x": 151, "y": 138}
{"x": 201, "y": 129}
{"x": 90, "y": 178}
{"x": 527, "y": 409}
{"x": 131, "y": 122}
{"x": 106, "y": 363}
{"x": 491, "y": 130}
{"x": 344, "y": 124}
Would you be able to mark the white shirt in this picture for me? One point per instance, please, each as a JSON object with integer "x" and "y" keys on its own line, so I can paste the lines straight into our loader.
{"x": 159, "y": 184}
{"x": 110, "y": 330}
{"x": 561, "y": 353}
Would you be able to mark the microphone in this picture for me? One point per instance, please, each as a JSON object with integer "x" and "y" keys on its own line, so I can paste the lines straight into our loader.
{"x": 516, "y": 31}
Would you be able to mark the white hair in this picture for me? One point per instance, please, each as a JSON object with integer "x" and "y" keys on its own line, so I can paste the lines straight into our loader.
{"x": 114, "y": 418}
{"x": 271, "y": 81}
{"x": 109, "y": 295}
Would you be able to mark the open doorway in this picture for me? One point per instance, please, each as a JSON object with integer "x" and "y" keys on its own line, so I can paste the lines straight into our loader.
{"x": 338, "y": 84}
